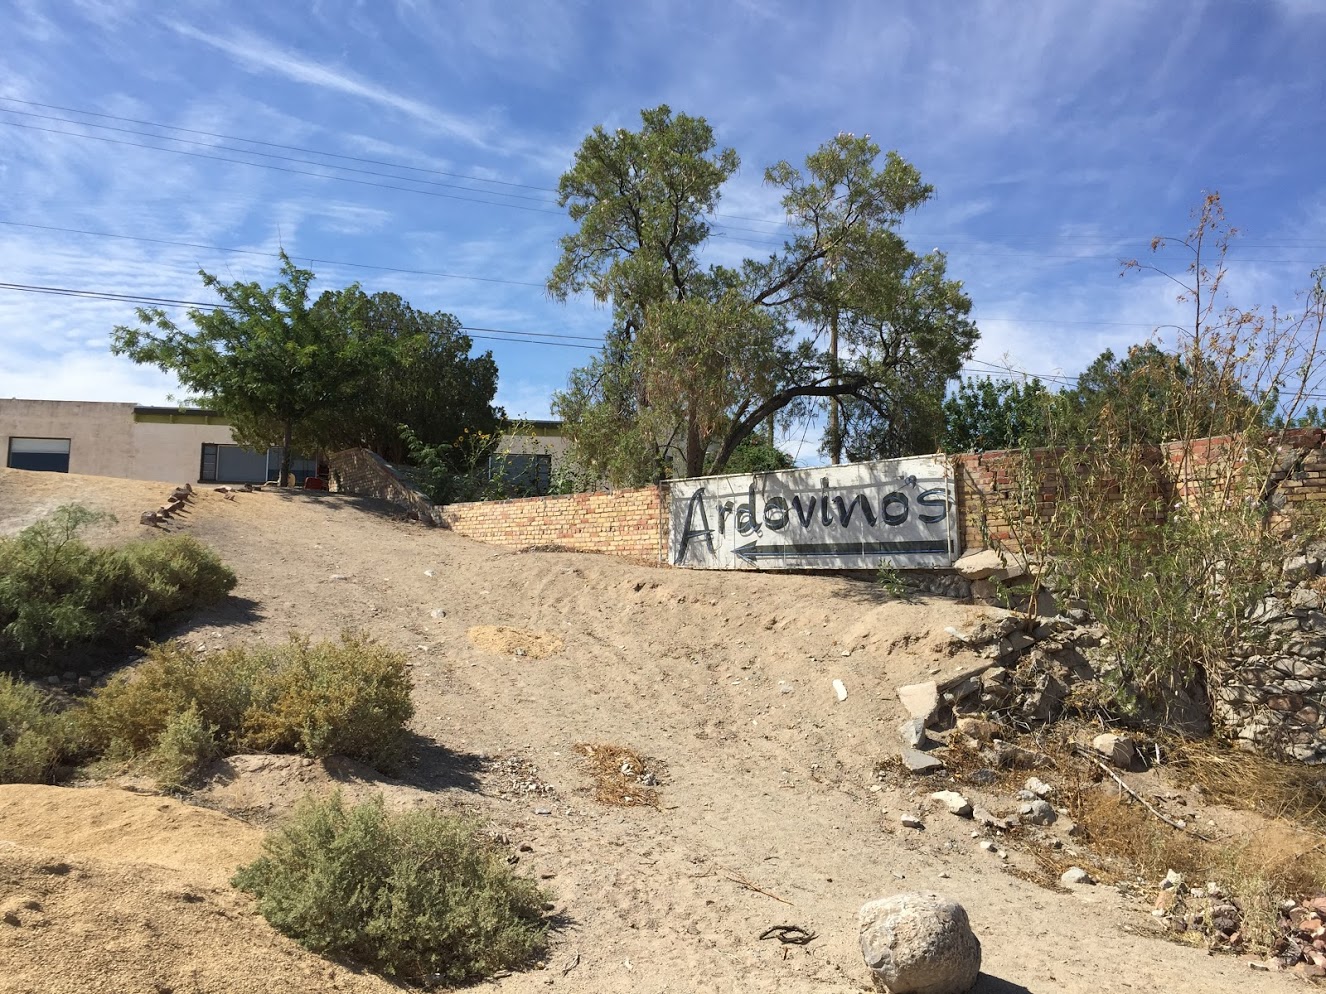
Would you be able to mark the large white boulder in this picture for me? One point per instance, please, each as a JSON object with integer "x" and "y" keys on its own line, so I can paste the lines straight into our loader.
{"x": 919, "y": 943}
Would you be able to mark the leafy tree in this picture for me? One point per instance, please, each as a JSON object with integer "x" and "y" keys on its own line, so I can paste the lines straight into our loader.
{"x": 985, "y": 414}
{"x": 699, "y": 357}
{"x": 265, "y": 356}
{"x": 758, "y": 455}
{"x": 430, "y": 382}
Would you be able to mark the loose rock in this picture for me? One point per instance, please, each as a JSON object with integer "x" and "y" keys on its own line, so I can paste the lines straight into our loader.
{"x": 954, "y": 802}
{"x": 1120, "y": 750}
{"x": 921, "y": 700}
{"x": 1075, "y": 876}
{"x": 919, "y": 762}
{"x": 919, "y": 943}
{"x": 1037, "y": 812}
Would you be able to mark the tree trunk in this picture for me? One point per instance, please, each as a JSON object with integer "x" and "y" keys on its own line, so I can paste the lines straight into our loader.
{"x": 835, "y": 426}
{"x": 285, "y": 452}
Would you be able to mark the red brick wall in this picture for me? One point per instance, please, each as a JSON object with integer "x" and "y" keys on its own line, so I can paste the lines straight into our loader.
{"x": 629, "y": 523}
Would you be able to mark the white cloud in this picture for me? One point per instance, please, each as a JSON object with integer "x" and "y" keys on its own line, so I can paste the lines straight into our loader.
{"x": 259, "y": 55}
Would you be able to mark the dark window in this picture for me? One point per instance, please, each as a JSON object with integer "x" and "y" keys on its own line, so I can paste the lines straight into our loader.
{"x": 523, "y": 474}
{"x": 236, "y": 464}
{"x": 50, "y": 455}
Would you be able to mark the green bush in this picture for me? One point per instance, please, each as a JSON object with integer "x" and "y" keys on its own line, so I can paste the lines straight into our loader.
{"x": 57, "y": 592}
{"x": 33, "y": 739}
{"x": 349, "y": 698}
{"x": 183, "y": 748}
{"x": 421, "y": 896}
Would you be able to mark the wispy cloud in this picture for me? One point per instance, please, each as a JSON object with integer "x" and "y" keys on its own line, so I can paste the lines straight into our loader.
{"x": 257, "y": 54}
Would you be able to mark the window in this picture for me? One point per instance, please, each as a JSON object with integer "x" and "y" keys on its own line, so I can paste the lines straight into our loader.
{"x": 50, "y": 455}
{"x": 236, "y": 464}
{"x": 524, "y": 474}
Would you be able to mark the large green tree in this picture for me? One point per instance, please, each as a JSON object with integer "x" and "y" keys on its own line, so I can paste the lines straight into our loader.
{"x": 699, "y": 357}
{"x": 431, "y": 382}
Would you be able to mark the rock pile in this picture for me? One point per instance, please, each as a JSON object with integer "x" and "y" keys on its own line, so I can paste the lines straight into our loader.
{"x": 1270, "y": 692}
{"x": 174, "y": 503}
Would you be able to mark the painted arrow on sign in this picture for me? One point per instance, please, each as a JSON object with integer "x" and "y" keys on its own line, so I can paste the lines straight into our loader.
{"x": 753, "y": 552}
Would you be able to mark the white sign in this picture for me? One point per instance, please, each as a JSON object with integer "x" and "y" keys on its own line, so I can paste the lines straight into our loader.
{"x": 896, "y": 512}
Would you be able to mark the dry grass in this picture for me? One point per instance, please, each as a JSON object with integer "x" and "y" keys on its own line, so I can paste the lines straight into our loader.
{"x": 617, "y": 772}
{"x": 1254, "y": 783}
{"x": 1278, "y": 861}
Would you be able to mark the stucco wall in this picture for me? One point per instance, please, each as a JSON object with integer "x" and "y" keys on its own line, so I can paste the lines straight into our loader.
{"x": 106, "y": 440}
{"x": 101, "y": 441}
{"x": 172, "y": 452}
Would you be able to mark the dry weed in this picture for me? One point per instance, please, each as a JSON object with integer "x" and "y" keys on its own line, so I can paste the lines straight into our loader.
{"x": 1259, "y": 869}
{"x": 1254, "y": 783}
{"x": 622, "y": 777}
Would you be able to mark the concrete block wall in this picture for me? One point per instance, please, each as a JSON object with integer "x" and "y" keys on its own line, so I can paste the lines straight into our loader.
{"x": 630, "y": 523}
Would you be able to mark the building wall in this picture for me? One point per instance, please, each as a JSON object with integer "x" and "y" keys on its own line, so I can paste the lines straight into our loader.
{"x": 172, "y": 452}
{"x": 101, "y": 437}
{"x": 629, "y": 523}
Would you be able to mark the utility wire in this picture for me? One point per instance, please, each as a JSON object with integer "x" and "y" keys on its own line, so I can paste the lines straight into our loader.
{"x": 147, "y": 300}
{"x": 283, "y": 169}
{"x": 267, "y": 144}
{"x": 268, "y": 255}
{"x": 267, "y": 155}
{"x": 1282, "y": 243}
{"x": 460, "y": 276}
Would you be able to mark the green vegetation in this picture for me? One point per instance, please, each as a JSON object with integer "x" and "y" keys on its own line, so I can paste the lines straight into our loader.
{"x": 344, "y": 369}
{"x": 698, "y": 358}
{"x": 420, "y": 896}
{"x": 33, "y": 738}
{"x": 1171, "y": 546}
{"x": 58, "y": 593}
{"x": 178, "y": 708}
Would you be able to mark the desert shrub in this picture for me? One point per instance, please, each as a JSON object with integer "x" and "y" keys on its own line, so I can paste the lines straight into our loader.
{"x": 421, "y": 896}
{"x": 183, "y": 748}
{"x": 349, "y": 698}
{"x": 33, "y": 738}
{"x": 57, "y": 592}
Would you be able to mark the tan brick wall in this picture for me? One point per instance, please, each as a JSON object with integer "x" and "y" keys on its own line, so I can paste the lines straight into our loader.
{"x": 366, "y": 474}
{"x": 992, "y": 510}
{"x": 628, "y": 523}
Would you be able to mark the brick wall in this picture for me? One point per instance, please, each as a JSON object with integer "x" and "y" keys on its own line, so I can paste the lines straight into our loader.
{"x": 992, "y": 507}
{"x": 366, "y": 474}
{"x": 621, "y": 523}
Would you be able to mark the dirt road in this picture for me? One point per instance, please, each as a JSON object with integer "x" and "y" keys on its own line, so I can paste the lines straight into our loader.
{"x": 771, "y": 809}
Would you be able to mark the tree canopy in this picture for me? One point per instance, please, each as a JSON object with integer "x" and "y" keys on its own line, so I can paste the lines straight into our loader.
{"x": 699, "y": 356}
{"x": 344, "y": 369}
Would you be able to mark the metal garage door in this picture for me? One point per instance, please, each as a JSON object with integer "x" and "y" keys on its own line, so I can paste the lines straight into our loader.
{"x": 47, "y": 454}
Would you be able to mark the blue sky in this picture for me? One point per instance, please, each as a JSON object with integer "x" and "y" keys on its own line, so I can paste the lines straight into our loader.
{"x": 1060, "y": 136}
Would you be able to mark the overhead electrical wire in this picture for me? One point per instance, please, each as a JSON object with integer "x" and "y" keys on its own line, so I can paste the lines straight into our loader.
{"x": 1282, "y": 243}
{"x": 268, "y": 255}
{"x": 283, "y": 169}
{"x": 148, "y": 300}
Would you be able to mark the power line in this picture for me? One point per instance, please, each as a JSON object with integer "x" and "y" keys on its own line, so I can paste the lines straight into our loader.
{"x": 268, "y": 155}
{"x": 1282, "y": 243}
{"x": 267, "y": 144}
{"x": 283, "y": 169}
{"x": 147, "y": 300}
{"x": 268, "y": 255}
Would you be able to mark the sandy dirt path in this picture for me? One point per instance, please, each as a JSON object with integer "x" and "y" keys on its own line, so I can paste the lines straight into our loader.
{"x": 726, "y": 679}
